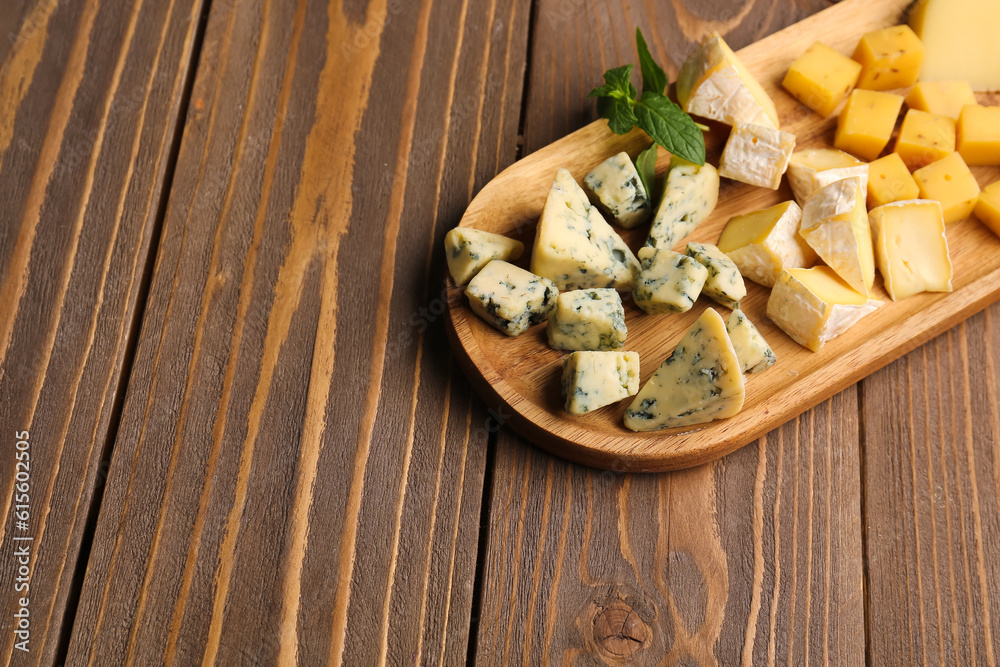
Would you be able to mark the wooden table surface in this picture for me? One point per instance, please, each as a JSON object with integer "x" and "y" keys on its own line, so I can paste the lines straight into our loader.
{"x": 222, "y": 341}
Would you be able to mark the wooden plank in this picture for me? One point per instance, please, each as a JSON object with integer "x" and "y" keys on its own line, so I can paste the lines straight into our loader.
{"x": 90, "y": 99}
{"x": 932, "y": 500}
{"x": 299, "y": 470}
{"x": 755, "y": 558}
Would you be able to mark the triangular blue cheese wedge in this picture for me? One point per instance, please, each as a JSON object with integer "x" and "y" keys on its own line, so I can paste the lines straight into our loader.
{"x": 690, "y": 194}
{"x": 700, "y": 382}
{"x": 469, "y": 250}
{"x": 754, "y": 353}
{"x": 724, "y": 283}
{"x": 575, "y": 247}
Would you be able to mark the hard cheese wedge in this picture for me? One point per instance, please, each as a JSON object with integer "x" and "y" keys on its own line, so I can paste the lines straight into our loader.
{"x": 911, "y": 248}
{"x": 812, "y": 168}
{"x": 592, "y": 380}
{"x": 713, "y": 83}
{"x": 700, "y": 382}
{"x": 575, "y": 247}
{"x": 690, "y": 194}
{"x": 960, "y": 41}
{"x": 754, "y": 353}
{"x": 763, "y": 243}
{"x": 756, "y": 155}
{"x": 835, "y": 225}
{"x": 469, "y": 250}
{"x": 814, "y": 305}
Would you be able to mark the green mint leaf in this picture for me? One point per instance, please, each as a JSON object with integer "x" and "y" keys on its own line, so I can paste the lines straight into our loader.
{"x": 645, "y": 164}
{"x": 615, "y": 99}
{"x": 617, "y": 83}
{"x": 653, "y": 77}
{"x": 670, "y": 127}
{"x": 619, "y": 113}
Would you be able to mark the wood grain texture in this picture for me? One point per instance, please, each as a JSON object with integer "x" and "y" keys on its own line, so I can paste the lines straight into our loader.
{"x": 932, "y": 500}
{"x": 298, "y": 474}
{"x": 90, "y": 95}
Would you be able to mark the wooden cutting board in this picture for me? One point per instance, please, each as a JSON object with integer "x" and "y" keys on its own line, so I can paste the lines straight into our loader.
{"x": 520, "y": 377}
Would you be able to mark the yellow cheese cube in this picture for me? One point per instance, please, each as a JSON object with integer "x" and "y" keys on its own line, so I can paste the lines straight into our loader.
{"x": 950, "y": 182}
{"x": 924, "y": 138}
{"x": 944, "y": 98}
{"x": 988, "y": 207}
{"x": 821, "y": 78}
{"x": 978, "y": 135}
{"x": 889, "y": 180}
{"x": 911, "y": 248}
{"x": 866, "y": 123}
{"x": 890, "y": 58}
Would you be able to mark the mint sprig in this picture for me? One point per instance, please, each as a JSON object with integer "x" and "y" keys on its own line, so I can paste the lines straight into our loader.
{"x": 665, "y": 122}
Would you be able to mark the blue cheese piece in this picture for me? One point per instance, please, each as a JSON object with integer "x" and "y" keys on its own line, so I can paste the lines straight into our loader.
{"x": 592, "y": 380}
{"x": 690, "y": 194}
{"x": 619, "y": 192}
{"x": 669, "y": 282}
{"x": 590, "y": 319}
{"x": 724, "y": 283}
{"x": 699, "y": 382}
{"x": 752, "y": 350}
{"x": 469, "y": 250}
{"x": 575, "y": 247}
{"x": 756, "y": 155}
{"x": 510, "y": 298}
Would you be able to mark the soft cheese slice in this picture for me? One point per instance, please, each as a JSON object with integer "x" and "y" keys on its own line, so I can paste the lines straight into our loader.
{"x": 756, "y": 155}
{"x": 575, "y": 247}
{"x": 592, "y": 380}
{"x": 812, "y": 168}
{"x": 469, "y": 250}
{"x": 911, "y": 247}
{"x": 590, "y": 319}
{"x": 724, "y": 283}
{"x": 835, "y": 224}
{"x": 619, "y": 191}
{"x": 700, "y": 382}
{"x": 960, "y": 41}
{"x": 713, "y": 83}
{"x": 814, "y": 305}
{"x": 668, "y": 281}
{"x": 690, "y": 194}
{"x": 510, "y": 298}
{"x": 754, "y": 353}
{"x": 763, "y": 243}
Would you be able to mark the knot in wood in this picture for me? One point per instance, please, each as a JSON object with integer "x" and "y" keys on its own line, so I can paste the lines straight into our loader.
{"x": 619, "y": 632}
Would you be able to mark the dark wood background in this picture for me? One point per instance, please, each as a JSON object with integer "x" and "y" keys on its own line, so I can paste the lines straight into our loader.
{"x": 221, "y": 323}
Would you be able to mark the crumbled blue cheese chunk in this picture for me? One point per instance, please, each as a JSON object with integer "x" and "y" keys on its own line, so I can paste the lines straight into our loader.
{"x": 699, "y": 382}
{"x": 619, "y": 191}
{"x": 575, "y": 247}
{"x": 724, "y": 283}
{"x": 469, "y": 250}
{"x": 690, "y": 194}
{"x": 754, "y": 353}
{"x": 510, "y": 298}
{"x": 590, "y": 319}
{"x": 668, "y": 281}
{"x": 592, "y": 380}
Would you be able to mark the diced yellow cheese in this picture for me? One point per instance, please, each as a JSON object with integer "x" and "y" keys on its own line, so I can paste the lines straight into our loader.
{"x": 592, "y": 380}
{"x": 924, "y": 137}
{"x": 814, "y": 305}
{"x": 944, "y": 98}
{"x": 469, "y": 250}
{"x": 950, "y": 182}
{"x": 866, "y": 123}
{"x": 763, "y": 243}
{"x": 821, "y": 78}
{"x": 835, "y": 224}
{"x": 756, "y": 155}
{"x": 890, "y": 58}
{"x": 988, "y": 207}
{"x": 979, "y": 135}
{"x": 911, "y": 247}
{"x": 713, "y": 83}
{"x": 812, "y": 168}
{"x": 889, "y": 180}
{"x": 960, "y": 41}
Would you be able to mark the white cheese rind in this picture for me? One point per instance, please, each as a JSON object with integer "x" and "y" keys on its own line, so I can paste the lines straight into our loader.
{"x": 469, "y": 250}
{"x": 575, "y": 247}
{"x": 668, "y": 281}
{"x": 591, "y": 319}
{"x": 620, "y": 195}
{"x": 690, "y": 194}
{"x": 754, "y": 353}
{"x": 592, "y": 380}
{"x": 724, "y": 283}
{"x": 835, "y": 224}
{"x": 911, "y": 247}
{"x": 756, "y": 155}
{"x": 699, "y": 382}
{"x": 813, "y": 168}
{"x": 509, "y": 298}
{"x": 762, "y": 259}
